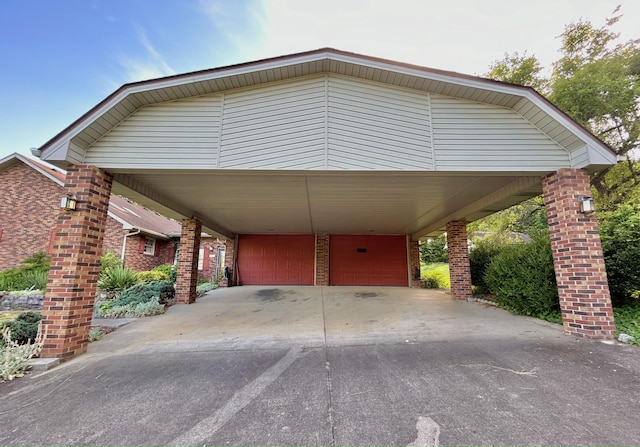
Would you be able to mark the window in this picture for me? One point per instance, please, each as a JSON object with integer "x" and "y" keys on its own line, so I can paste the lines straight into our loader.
{"x": 201, "y": 259}
{"x": 149, "y": 246}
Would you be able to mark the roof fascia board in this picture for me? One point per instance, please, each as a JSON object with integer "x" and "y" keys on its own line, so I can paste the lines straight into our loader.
{"x": 32, "y": 165}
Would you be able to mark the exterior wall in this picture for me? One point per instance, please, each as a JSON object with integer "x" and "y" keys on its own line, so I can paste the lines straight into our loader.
{"x": 577, "y": 256}
{"x": 113, "y": 235}
{"x": 414, "y": 263}
{"x": 322, "y": 260}
{"x": 75, "y": 264}
{"x": 210, "y": 247}
{"x": 459, "y": 267}
{"x": 187, "y": 279}
{"x": 136, "y": 259}
{"x": 29, "y": 207}
{"x": 332, "y": 122}
{"x": 229, "y": 262}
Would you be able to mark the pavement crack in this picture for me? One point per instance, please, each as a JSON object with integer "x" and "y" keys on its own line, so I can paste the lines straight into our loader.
{"x": 327, "y": 366}
{"x": 531, "y": 372}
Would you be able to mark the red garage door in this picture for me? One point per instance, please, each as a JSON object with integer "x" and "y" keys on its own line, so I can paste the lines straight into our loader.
{"x": 368, "y": 261}
{"x": 276, "y": 259}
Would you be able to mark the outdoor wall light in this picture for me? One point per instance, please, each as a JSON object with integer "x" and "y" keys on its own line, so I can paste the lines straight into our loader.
{"x": 69, "y": 202}
{"x": 586, "y": 205}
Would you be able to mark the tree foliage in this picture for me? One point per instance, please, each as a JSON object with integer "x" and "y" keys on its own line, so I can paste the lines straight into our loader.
{"x": 597, "y": 82}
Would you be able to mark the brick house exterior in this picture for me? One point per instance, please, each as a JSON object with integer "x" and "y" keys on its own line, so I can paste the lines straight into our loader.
{"x": 29, "y": 207}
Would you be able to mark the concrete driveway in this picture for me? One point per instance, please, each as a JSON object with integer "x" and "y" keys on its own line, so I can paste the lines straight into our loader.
{"x": 332, "y": 366}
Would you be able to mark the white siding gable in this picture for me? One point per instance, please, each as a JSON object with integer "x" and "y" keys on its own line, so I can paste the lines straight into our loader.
{"x": 470, "y": 136}
{"x": 277, "y": 127}
{"x": 371, "y": 126}
{"x": 179, "y": 134}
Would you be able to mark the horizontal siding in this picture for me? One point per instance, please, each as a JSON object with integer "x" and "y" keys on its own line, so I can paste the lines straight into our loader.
{"x": 179, "y": 135}
{"x": 473, "y": 136}
{"x": 370, "y": 126}
{"x": 278, "y": 127}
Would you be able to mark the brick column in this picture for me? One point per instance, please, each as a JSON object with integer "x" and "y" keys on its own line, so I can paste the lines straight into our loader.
{"x": 228, "y": 263}
{"x": 414, "y": 263}
{"x": 187, "y": 279}
{"x": 322, "y": 260}
{"x": 459, "y": 267}
{"x": 75, "y": 264}
{"x": 577, "y": 256}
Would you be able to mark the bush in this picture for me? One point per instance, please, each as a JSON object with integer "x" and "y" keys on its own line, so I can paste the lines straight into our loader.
{"x": 481, "y": 255}
{"x": 139, "y": 300}
{"x": 35, "y": 279}
{"x": 24, "y": 328}
{"x": 620, "y": 234}
{"x": 14, "y": 357}
{"x": 433, "y": 250}
{"x": 206, "y": 287}
{"x": 109, "y": 260}
{"x": 32, "y": 274}
{"x": 115, "y": 279}
{"x": 169, "y": 270}
{"x": 523, "y": 279}
{"x": 628, "y": 321}
{"x": 436, "y": 276}
{"x": 149, "y": 276}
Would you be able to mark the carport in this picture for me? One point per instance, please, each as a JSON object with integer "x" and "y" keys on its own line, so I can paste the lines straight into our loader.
{"x": 324, "y": 168}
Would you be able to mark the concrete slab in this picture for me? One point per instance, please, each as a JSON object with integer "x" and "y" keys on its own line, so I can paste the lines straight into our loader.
{"x": 232, "y": 369}
{"x": 43, "y": 364}
{"x": 111, "y": 322}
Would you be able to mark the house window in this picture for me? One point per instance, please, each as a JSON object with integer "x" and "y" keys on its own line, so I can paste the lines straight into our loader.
{"x": 149, "y": 246}
{"x": 201, "y": 259}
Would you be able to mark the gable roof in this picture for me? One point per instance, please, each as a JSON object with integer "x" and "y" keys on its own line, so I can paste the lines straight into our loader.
{"x": 131, "y": 215}
{"x": 69, "y": 145}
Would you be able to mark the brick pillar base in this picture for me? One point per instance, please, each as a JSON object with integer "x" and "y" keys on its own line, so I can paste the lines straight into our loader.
{"x": 577, "y": 256}
{"x": 187, "y": 279}
{"x": 75, "y": 264}
{"x": 459, "y": 268}
{"x": 414, "y": 263}
{"x": 322, "y": 260}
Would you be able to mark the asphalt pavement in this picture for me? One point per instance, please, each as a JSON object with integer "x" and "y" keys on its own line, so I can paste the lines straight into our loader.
{"x": 344, "y": 381}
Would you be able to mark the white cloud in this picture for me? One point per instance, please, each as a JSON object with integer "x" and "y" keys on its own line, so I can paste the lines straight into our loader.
{"x": 151, "y": 64}
{"x": 458, "y": 35}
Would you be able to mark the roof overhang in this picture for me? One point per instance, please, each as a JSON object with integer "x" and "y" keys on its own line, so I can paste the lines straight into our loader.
{"x": 297, "y": 201}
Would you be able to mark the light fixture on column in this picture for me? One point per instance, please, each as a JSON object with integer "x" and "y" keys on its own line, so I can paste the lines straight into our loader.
{"x": 69, "y": 202}
{"x": 586, "y": 205}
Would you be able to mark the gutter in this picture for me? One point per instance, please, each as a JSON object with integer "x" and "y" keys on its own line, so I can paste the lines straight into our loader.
{"x": 124, "y": 244}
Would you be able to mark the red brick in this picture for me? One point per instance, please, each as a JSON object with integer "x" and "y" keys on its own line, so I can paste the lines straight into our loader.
{"x": 459, "y": 267}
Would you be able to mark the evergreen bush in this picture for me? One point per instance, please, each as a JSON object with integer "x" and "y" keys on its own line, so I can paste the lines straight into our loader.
{"x": 523, "y": 278}
{"x": 150, "y": 276}
{"x": 24, "y": 327}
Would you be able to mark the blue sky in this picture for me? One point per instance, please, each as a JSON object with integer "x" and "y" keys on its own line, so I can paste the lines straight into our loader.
{"x": 61, "y": 57}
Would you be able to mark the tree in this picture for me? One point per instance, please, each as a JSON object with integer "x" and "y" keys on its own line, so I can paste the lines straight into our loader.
{"x": 597, "y": 82}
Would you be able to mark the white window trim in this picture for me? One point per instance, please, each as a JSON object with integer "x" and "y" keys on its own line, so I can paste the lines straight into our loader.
{"x": 149, "y": 250}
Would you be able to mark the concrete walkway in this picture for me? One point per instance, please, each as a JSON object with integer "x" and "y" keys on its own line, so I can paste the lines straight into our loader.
{"x": 331, "y": 366}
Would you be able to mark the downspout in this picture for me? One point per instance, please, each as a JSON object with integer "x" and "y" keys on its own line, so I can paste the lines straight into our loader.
{"x": 124, "y": 244}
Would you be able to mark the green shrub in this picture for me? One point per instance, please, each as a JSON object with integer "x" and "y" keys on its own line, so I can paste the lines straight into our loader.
{"x": 481, "y": 255}
{"x": 523, "y": 279}
{"x": 168, "y": 269}
{"x": 109, "y": 260}
{"x": 159, "y": 292}
{"x": 35, "y": 279}
{"x": 14, "y": 357}
{"x": 433, "y": 250}
{"x": 115, "y": 279}
{"x": 620, "y": 234}
{"x": 38, "y": 261}
{"x": 149, "y": 276}
{"x": 24, "y": 328}
{"x": 10, "y": 279}
{"x": 206, "y": 287}
{"x": 95, "y": 334}
{"x": 436, "y": 276}
{"x": 628, "y": 321}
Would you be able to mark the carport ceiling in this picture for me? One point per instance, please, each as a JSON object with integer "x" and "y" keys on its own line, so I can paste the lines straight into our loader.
{"x": 419, "y": 204}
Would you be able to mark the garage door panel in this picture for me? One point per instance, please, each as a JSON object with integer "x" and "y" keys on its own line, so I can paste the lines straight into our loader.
{"x": 356, "y": 260}
{"x": 276, "y": 259}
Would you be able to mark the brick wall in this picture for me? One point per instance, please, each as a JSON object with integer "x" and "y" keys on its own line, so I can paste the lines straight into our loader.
{"x": 459, "y": 268}
{"x": 414, "y": 263}
{"x": 577, "y": 256}
{"x": 187, "y": 279}
{"x": 228, "y": 262}
{"x": 75, "y": 263}
{"x": 210, "y": 247}
{"x": 29, "y": 207}
{"x": 113, "y": 235}
{"x": 322, "y": 260}
{"x": 137, "y": 260}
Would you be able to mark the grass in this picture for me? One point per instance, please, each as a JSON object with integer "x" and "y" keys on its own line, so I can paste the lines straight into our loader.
{"x": 436, "y": 275}
{"x": 628, "y": 321}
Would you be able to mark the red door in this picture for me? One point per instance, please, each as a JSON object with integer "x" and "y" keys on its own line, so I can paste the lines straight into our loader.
{"x": 276, "y": 259}
{"x": 368, "y": 261}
